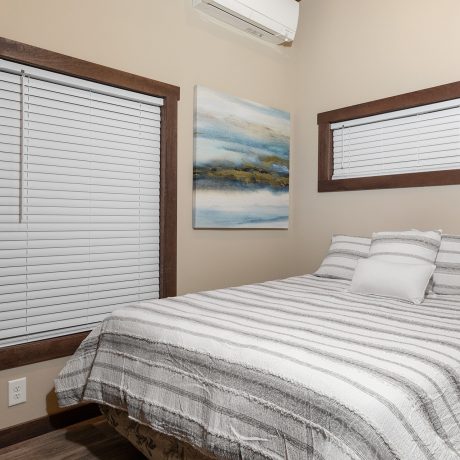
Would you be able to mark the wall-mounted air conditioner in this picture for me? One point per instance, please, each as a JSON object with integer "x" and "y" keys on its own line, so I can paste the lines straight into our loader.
{"x": 271, "y": 20}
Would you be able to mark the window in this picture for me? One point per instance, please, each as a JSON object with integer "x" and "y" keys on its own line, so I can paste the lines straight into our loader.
{"x": 425, "y": 138}
{"x": 396, "y": 142}
{"x": 79, "y": 196}
{"x": 86, "y": 72}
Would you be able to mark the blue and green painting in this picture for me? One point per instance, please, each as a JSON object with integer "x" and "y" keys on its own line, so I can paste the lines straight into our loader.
{"x": 241, "y": 165}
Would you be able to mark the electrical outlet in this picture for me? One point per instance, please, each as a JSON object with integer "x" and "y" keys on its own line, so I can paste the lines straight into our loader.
{"x": 17, "y": 391}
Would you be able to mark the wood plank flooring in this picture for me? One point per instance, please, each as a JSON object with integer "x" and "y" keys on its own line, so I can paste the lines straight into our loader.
{"x": 90, "y": 440}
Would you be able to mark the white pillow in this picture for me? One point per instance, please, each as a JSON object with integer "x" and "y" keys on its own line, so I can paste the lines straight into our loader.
{"x": 446, "y": 278}
{"x": 389, "y": 279}
{"x": 344, "y": 252}
{"x": 411, "y": 247}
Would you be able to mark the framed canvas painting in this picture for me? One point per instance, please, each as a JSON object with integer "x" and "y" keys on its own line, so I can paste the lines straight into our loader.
{"x": 241, "y": 163}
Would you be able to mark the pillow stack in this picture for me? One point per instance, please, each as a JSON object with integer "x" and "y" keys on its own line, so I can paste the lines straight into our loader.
{"x": 398, "y": 265}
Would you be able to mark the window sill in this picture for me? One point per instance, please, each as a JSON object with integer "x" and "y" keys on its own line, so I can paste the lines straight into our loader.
{"x": 422, "y": 179}
{"x": 41, "y": 350}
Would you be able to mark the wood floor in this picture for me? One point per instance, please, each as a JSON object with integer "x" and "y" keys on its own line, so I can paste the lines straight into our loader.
{"x": 91, "y": 440}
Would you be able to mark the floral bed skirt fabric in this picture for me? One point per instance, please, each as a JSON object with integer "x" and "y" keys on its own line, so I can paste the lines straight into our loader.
{"x": 154, "y": 445}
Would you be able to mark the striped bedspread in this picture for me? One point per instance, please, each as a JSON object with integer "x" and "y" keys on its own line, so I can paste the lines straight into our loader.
{"x": 291, "y": 369}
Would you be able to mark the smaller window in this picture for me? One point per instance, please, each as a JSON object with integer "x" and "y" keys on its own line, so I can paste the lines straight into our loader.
{"x": 403, "y": 141}
{"x": 425, "y": 138}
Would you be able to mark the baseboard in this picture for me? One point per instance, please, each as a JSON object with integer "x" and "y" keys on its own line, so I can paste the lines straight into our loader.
{"x": 42, "y": 425}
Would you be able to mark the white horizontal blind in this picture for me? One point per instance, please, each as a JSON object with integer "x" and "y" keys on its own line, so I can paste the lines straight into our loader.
{"x": 13, "y": 236}
{"x": 79, "y": 202}
{"x": 425, "y": 138}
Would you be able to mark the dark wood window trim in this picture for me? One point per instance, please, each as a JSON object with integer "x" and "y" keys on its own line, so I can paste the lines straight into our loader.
{"x": 403, "y": 101}
{"x": 43, "y": 350}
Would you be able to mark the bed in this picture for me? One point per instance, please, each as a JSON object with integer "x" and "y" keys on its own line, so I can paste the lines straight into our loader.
{"x": 290, "y": 369}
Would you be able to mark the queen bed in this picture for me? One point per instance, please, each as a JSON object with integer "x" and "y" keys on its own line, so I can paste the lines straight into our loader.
{"x": 299, "y": 368}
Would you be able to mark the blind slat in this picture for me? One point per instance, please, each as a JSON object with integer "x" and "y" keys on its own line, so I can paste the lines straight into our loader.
{"x": 101, "y": 114}
{"x": 81, "y": 96}
{"x": 144, "y": 277}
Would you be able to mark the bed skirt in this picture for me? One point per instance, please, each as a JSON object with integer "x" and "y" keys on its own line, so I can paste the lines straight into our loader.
{"x": 154, "y": 445}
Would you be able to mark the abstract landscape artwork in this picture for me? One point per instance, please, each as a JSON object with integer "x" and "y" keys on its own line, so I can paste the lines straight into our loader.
{"x": 241, "y": 164}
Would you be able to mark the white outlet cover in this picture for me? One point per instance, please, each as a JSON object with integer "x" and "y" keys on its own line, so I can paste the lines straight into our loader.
{"x": 17, "y": 391}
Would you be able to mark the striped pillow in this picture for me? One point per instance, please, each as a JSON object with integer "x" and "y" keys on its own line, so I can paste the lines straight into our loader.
{"x": 410, "y": 247}
{"x": 343, "y": 255}
{"x": 446, "y": 278}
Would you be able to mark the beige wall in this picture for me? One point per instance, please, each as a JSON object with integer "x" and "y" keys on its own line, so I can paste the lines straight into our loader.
{"x": 346, "y": 52}
{"x": 354, "y": 51}
{"x": 41, "y": 398}
{"x": 166, "y": 40}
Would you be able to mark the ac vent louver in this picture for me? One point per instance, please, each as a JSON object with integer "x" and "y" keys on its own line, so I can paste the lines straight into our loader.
{"x": 274, "y": 21}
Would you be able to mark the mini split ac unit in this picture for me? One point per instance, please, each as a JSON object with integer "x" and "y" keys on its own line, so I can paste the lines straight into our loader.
{"x": 272, "y": 20}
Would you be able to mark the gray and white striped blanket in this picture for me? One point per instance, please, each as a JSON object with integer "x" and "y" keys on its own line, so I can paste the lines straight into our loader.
{"x": 292, "y": 369}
